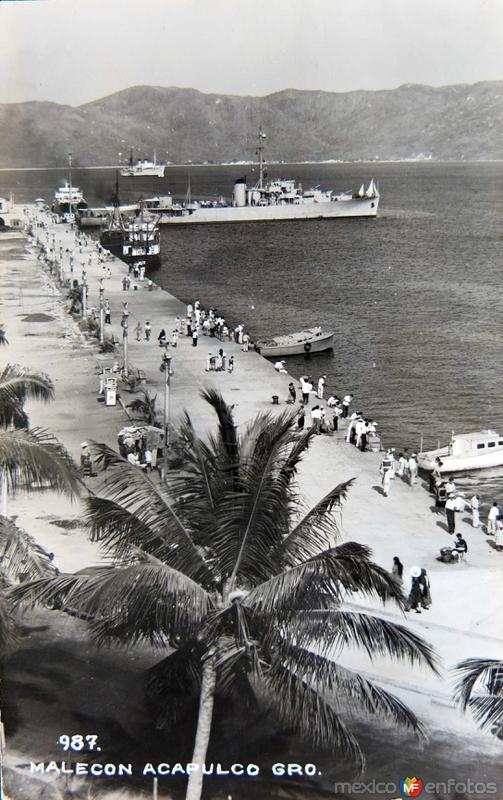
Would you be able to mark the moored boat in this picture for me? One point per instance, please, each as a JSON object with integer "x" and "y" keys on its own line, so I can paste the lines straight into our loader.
{"x": 311, "y": 340}
{"x": 142, "y": 168}
{"x": 132, "y": 238}
{"x": 466, "y": 452}
{"x": 274, "y": 200}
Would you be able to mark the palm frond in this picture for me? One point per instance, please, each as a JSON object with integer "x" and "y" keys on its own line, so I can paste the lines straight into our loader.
{"x": 324, "y": 580}
{"x": 253, "y": 528}
{"x": 34, "y": 459}
{"x": 21, "y": 557}
{"x": 135, "y": 492}
{"x": 119, "y": 531}
{"x": 315, "y": 530}
{"x": 310, "y": 714}
{"x": 331, "y": 630}
{"x": 479, "y": 687}
{"x": 8, "y": 634}
{"x": 350, "y": 691}
{"x": 16, "y": 385}
{"x": 174, "y": 682}
{"x": 3, "y": 337}
{"x": 227, "y": 443}
{"x": 140, "y": 602}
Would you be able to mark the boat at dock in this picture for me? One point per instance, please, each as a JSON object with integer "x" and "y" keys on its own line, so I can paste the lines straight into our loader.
{"x": 311, "y": 340}
{"x": 466, "y": 452}
{"x": 132, "y": 238}
{"x": 143, "y": 168}
{"x": 68, "y": 200}
{"x": 274, "y": 200}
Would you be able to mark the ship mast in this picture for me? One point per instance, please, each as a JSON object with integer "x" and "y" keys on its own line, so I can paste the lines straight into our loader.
{"x": 70, "y": 183}
{"x": 260, "y": 153}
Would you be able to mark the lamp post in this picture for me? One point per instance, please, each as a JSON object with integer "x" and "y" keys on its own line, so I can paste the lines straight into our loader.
{"x": 168, "y": 372}
{"x": 84, "y": 293}
{"x": 102, "y": 313}
{"x": 124, "y": 323}
{"x": 70, "y": 206}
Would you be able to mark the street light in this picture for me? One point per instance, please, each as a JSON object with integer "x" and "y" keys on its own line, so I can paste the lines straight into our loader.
{"x": 124, "y": 324}
{"x": 84, "y": 294}
{"x": 168, "y": 372}
{"x": 102, "y": 313}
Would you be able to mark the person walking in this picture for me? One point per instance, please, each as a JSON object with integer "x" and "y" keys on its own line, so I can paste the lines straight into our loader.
{"x": 413, "y": 469}
{"x": 424, "y": 585}
{"x": 162, "y": 338}
{"x": 148, "y": 330}
{"x": 174, "y": 338}
{"x": 415, "y": 597}
{"x": 230, "y": 366}
{"x": 385, "y": 470}
{"x": 195, "y": 335}
{"x": 475, "y": 509}
{"x": 493, "y": 515}
{"x": 397, "y": 570}
{"x": 337, "y": 416}
{"x": 139, "y": 331}
{"x": 450, "y": 513}
{"x": 108, "y": 315}
{"x": 321, "y": 386}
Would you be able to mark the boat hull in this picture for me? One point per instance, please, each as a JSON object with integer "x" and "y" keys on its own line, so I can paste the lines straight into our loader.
{"x": 152, "y": 172}
{"x": 151, "y": 260}
{"x": 460, "y": 464}
{"x": 305, "y": 347}
{"x": 334, "y": 209}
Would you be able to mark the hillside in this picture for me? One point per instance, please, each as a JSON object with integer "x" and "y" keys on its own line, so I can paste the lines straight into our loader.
{"x": 448, "y": 123}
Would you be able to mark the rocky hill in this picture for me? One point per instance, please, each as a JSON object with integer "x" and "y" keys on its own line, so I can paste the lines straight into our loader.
{"x": 463, "y": 122}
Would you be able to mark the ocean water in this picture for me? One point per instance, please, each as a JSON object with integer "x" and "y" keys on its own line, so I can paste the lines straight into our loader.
{"x": 414, "y": 297}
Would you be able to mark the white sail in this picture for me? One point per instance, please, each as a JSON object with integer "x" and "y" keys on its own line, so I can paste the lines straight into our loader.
{"x": 371, "y": 191}
{"x": 361, "y": 191}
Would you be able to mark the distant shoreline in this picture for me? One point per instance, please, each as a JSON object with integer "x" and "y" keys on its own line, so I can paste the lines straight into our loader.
{"x": 185, "y": 165}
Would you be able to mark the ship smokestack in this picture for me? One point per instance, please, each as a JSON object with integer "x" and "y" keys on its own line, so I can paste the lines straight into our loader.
{"x": 239, "y": 194}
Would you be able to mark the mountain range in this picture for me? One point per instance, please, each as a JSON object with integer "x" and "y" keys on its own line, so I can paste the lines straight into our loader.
{"x": 460, "y": 122}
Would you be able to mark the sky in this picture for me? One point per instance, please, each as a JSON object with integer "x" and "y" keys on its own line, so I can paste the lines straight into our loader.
{"x": 75, "y": 51}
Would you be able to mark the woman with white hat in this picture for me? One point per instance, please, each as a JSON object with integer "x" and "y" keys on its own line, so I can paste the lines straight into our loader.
{"x": 415, "y": 595}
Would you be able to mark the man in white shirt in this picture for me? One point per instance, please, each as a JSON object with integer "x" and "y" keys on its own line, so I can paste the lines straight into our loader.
{"x": 475, "y": 507}
{"x": 493, "y": 515}
{"x": 279, "y": 366}
{"x": 316, "y": 418}
{"x": 321, "y": 386}
{"x": 450, "y": 512}
{"x": 346, "y": 400}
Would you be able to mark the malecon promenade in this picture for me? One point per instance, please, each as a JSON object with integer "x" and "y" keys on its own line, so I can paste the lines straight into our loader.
{"x": 465, "y": 617}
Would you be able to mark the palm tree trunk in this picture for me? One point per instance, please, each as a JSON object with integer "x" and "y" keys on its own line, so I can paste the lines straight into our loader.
{"x": 206, "y": 702}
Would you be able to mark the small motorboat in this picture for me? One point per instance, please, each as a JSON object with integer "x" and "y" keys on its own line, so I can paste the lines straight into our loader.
{"x": 466, "y": 452}
{"x": 311, "y": 340}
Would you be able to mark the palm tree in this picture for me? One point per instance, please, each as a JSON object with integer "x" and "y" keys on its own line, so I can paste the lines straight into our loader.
{"x": 479, "y": 687}
{"x": 21, "y": 558}
{"x": 145, "y": 406}
{"x": 227, "y": 565}
{"x": 29, "y": 458}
